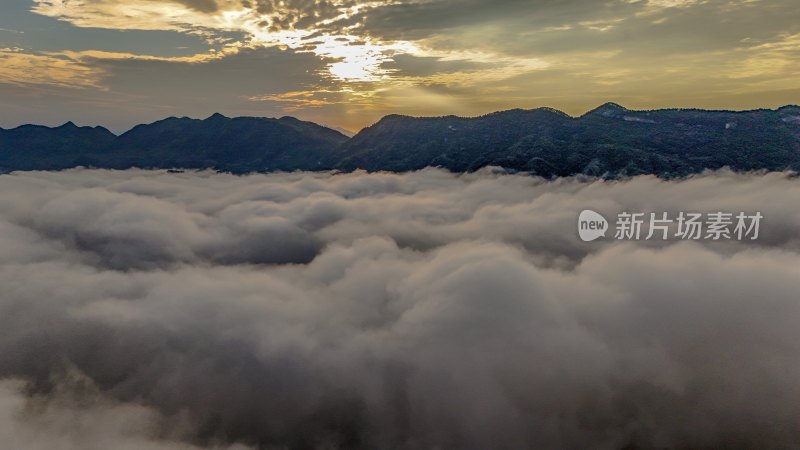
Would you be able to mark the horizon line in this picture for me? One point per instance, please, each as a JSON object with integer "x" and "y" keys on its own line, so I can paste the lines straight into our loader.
{"x": 340, "y": 129}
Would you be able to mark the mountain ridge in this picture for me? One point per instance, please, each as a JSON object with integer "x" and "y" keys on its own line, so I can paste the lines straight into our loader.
{"x": 556, "y": 110}
{"x": 609, "y": 141}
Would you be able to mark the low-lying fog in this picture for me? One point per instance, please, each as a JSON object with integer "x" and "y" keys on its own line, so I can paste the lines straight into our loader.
{"x": 147, "y": 310}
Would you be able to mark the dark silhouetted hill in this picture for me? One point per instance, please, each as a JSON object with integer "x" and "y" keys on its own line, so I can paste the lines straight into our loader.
{"x": 33, "y": 147}
{"x": 608, "y": 141}
{"x": 244, "y": 144}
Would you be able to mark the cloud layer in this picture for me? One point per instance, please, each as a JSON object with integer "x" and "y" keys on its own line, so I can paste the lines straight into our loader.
{"x": 179, "y": 311}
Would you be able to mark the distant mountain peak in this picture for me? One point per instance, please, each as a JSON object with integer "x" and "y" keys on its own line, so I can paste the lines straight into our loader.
{"x": 391, "y": 119}
{"x": 216, "y": 116}
{"x": 609, "y": 109}
{"x": 69, "y": 124}
{"x": 553, "y": 111}
{"x": 612, "y": 105}
{"x": 396, "y": 117}
{"x": 344, "y": 131}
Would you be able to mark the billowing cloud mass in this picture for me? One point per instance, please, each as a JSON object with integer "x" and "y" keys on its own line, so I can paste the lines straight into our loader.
{"x": 149, "y": 310}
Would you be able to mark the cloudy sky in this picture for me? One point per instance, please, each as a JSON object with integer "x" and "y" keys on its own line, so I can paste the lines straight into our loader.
{"x": 347, "y": 62}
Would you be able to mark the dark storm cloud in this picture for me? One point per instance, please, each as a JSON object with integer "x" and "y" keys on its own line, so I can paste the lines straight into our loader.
{"x": 152, "y": 310}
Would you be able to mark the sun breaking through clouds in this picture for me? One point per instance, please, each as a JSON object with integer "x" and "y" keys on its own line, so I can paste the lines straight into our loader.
{"x": 347, "y": 62}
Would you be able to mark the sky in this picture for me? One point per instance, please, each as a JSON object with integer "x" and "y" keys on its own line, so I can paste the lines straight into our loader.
{"x": 346, "y": 63}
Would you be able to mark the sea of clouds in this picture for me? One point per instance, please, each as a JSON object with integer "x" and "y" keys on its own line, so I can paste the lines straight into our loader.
{"x": 149, "y": 310}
